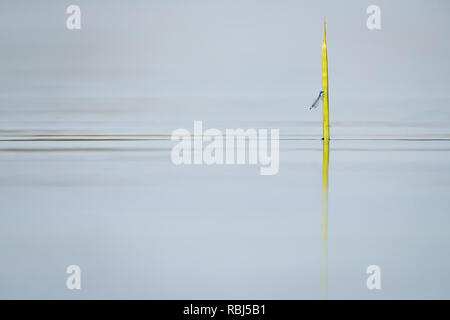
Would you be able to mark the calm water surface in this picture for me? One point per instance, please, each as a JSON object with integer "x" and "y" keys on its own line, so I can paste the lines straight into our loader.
{"x": 103, "y": 194}
{"x": 85, "y": 170}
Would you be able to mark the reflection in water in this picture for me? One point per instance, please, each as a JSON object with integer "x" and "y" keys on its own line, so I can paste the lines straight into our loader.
{"x": 326, "y": 157}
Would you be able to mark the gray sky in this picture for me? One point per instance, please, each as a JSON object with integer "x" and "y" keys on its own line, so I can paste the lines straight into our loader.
{"x": 224, "y": 49}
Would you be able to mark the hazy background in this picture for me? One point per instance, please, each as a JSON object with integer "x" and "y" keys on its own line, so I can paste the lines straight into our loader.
{"x": 236, "y": 51}
{"x": 139, "y": 227}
